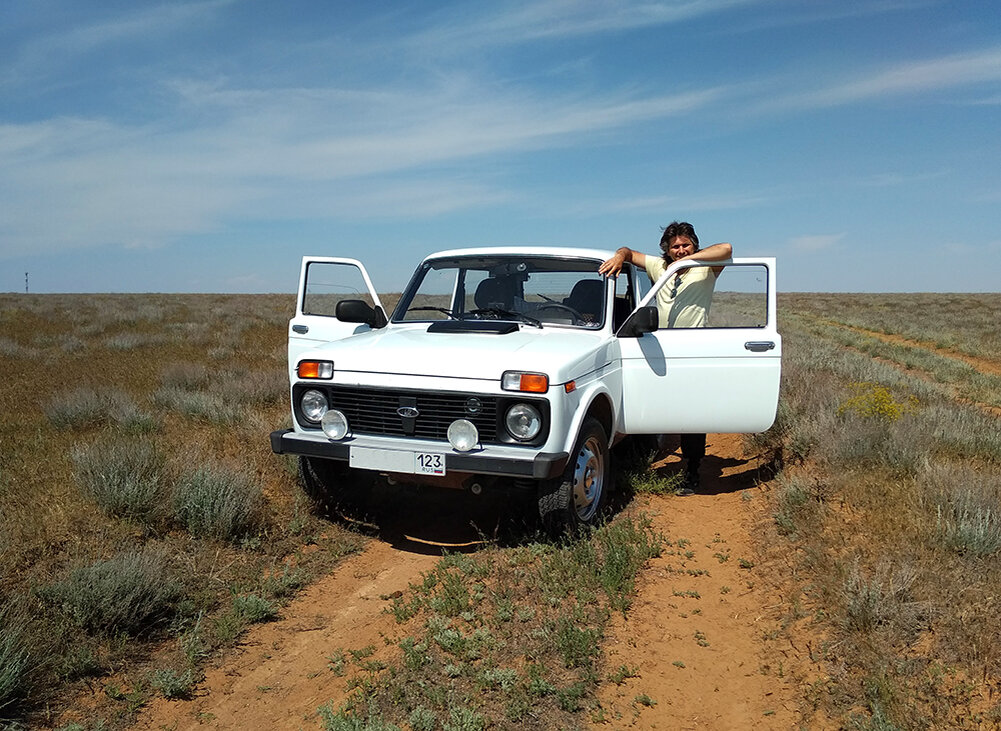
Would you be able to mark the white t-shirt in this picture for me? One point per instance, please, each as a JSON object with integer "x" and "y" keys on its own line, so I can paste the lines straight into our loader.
{"x": 684, "y": 300}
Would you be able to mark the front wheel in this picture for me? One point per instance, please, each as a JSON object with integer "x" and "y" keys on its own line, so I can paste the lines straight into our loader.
{"x": 577, "y": 498}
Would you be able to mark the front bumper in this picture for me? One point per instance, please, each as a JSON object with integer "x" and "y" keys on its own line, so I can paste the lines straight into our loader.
{"x": 491, "y": 461}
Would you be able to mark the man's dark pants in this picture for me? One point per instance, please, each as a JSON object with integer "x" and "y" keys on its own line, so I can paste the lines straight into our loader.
{"x": 693, "y": 449}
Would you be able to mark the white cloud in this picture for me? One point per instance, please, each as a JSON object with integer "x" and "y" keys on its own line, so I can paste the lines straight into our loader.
{"x": 525, "y": 21}
{"x": 77, "y": 183}
{"x": 908, "y": 78}
{"x": 62, "y": 48}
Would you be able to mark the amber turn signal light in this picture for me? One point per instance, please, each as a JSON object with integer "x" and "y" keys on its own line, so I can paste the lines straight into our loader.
{"x": 525, "y": 382}
{"x": 315, "y": 369}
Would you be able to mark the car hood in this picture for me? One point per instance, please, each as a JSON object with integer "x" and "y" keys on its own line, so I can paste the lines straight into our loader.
{"x": 411, "y": 350}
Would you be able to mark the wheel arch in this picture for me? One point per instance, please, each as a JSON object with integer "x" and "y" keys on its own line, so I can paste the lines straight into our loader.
{"x": 601, "y": 409}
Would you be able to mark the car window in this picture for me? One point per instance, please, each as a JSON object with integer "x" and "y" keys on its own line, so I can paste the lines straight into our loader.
{"x": 741, "y": 297}
{"x": 736, "y": 298}
{"x": 327, "y": 283}
{"x": 549, "y": 290}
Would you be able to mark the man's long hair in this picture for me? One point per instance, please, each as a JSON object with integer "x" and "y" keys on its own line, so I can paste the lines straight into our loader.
{"x": 674, "y": 229}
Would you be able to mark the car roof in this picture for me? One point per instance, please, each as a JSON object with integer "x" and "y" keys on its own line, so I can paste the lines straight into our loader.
{"x": 572, "y": 252}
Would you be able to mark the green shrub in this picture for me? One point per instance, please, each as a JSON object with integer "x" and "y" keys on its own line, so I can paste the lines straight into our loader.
{"x": 131, "y": 593}
{"x": 795, "y": 503}
{"x": 577, "y": 645}
{"x": 464, "y": 719}
{"x": 881, "y": 599}
{"x": 198, "y": 404}
{"x": 623, "y": 548}
{"x": 970, "y": 527}
{"x": 87, "y": 407}
{"x": 15, "y": 659}
{"x": 244, "y": 611}
{"x": 254, "y": 609}
{"x": 173, "y": 684}
{"x": 213, "y": 502}
{"x": 125, "y": 478}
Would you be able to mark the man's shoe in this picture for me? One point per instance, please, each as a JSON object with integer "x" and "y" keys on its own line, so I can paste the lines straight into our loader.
{"x": 690, "y": 485}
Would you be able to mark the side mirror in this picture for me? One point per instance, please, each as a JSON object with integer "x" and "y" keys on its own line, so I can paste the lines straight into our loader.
{"x": 644, "y": 320}
{"x": 360, "y": 311}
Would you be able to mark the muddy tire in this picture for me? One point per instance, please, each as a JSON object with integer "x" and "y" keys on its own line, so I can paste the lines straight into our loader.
{"x": 577, "y": 499}
{"x": 334, "y": 487}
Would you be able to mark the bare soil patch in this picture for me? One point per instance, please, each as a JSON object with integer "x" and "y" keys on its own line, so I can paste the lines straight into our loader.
{"x": 704, "y": 635}
{"x": 282, "y": 672}
{"x": 702, "y": 644}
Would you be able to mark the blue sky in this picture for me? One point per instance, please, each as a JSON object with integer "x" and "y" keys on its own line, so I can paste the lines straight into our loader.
{"x": 205, "y": 146}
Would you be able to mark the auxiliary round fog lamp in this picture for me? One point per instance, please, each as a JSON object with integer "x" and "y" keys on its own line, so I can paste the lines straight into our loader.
{"x": 334, "y": 424}
{"x": 462, "y": 435}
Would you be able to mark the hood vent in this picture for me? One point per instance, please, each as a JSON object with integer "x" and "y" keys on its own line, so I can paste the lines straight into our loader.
{"x": 493, "y": 327}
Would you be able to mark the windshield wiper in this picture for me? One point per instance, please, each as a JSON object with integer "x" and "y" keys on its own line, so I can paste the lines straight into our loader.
{"x": 434, "y": 309}
{"x": 497, "y": 312}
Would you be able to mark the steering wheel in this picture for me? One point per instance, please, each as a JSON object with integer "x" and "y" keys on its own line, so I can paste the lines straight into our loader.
{"x": 577, "y": 317}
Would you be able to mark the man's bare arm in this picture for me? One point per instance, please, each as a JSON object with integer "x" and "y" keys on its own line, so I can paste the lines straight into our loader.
{"x": 716, "y": 252}
{"x": 612, "y": 267}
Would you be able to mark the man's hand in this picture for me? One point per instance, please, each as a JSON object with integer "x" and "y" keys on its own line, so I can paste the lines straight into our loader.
{"x": 612, "y": 267}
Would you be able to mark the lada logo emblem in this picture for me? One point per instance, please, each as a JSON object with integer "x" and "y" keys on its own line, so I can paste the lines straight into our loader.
{"x": 473, "y": 405}
{"x": 408, "y": 412}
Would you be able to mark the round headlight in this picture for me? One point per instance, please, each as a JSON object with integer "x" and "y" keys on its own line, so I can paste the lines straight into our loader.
{"x": 462, "y": 435}
{"x": 523, "y": 422}
{"x": 313, "y": 404}
{"x": 334, "y": 424}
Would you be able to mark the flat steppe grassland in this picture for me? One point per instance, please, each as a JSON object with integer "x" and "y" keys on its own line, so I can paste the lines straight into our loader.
{"x": 135, "y": 474}
{"x": 139, "y": 500}
{"x": 889, "y": 446}
{"x": 145, "y": 523}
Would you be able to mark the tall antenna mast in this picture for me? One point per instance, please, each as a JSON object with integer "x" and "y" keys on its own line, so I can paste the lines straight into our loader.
{"x": 26, "y": 282}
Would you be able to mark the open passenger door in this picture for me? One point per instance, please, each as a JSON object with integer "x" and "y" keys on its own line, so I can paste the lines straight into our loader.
{"x": 720, "y": 378}
{"x": 325, "y": 281}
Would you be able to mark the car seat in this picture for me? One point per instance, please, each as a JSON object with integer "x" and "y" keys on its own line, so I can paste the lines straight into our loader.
{"x": 496, "y": 293}
{"x": 588, "y": 298}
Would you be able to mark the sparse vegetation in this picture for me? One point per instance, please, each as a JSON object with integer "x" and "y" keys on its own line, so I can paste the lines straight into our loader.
{"x": 491, "y": 662}
{"x": 15, "y": 659}
{"x": 86, "y": 407}
{"x": 214, "y": 502}
{"x": 126, "y": 478}
{"x": 131, "y": 593}
{"x": 90, "y": 470}
{"x": 891, "y": 486}
{"x": 887, "y": 451}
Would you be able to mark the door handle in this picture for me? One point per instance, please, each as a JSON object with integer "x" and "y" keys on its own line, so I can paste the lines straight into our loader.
{"x": 759, "y": 346}
{"x": 301, "y": 329}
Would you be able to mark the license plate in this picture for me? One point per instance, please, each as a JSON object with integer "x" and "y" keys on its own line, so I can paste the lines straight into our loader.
{"x": 392, "y": 460}
{"x": 429, "y": 463}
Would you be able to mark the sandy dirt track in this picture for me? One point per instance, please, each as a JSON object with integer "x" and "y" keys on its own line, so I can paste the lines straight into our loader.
{"x": 701, "y": 640}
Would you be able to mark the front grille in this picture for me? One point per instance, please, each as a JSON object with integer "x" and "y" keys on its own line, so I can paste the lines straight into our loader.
{"x": 374, "y": 411}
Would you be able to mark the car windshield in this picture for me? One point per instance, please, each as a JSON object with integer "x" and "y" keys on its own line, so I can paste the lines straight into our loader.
{"x": 536, "y": 291}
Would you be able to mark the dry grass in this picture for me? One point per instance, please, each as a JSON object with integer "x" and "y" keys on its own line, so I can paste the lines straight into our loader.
{"x": 184, "y": 517}
{"x": 890, "y": 489}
